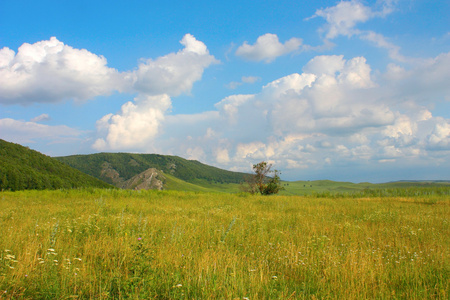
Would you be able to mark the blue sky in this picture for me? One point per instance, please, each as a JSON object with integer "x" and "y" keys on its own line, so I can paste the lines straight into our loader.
{"x": 342, "y": 90}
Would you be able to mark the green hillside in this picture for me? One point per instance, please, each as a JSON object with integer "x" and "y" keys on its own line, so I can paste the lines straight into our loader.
{"x": 114, "y": 167}
{"x": 22, "y": 169}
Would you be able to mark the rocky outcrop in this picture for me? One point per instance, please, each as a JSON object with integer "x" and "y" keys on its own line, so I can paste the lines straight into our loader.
{"x": 109, "y": 174}
{"x": 150, "y": 179}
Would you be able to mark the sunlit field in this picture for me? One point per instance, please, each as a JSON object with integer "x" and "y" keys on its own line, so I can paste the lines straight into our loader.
{"x": 117, "y": 244}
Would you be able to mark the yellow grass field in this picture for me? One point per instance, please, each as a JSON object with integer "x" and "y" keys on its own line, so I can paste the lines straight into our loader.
{"x": 117, "y": 244}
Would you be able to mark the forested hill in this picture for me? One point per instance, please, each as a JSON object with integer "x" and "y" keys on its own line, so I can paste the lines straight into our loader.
{"x": 126, "y": 165}
{"x": 22, "y": 168}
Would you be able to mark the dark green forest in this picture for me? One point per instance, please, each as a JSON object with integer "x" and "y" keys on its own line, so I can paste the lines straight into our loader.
{"x": 22, "y": 168}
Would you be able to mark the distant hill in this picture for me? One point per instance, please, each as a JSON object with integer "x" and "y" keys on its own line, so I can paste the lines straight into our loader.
{"x": 389, "y": 188}
{"x": 128, "y": 170}
{"x": 22, "y": 168}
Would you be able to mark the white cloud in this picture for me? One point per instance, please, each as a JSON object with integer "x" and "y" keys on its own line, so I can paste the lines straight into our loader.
{"x": 422, "y": 84}
{"x": 222, "y": 156}
{"x": 250, "y": 79}
{"x": 325, "y": 65}
{"x": 294, "y": 82}
{"x": 267, "y": 48}
{"x": 135, "y": 126}
{"x": 343, "y": 19}
{"x": 49, "y": 71}
{"x": 41, "y": 118}
{"x": 439, "y": 139}
{"x": 381, "y": 42}
{"x": 174, "y": 73}
{"x": 245, "y": 79}
{"x": 23, "y": 132}
{"x": 140, "y": 122}
{"x": 195, "y": 153}
{"x": 253, "y": 150}
{"x": 332, "y": 114}
{"x": 229, "y": 107}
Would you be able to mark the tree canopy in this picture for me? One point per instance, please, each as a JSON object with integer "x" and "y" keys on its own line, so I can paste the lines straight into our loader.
{"x": 261, "y": 182}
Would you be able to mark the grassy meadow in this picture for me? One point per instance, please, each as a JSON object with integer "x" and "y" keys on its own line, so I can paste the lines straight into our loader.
{"x": 119, "y": 244}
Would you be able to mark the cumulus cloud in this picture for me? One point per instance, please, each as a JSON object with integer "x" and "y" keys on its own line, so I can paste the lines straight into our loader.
{"x": 332, "y": 114}
{"x": 50, "y": 71}
{"x": 267, "y": 48}
{"x": 325, "y": 64}
{"x": 174, "y": 73}
{"x": 139, "y": 122}
{"x": 327, "y": 99}
{"x": 135, "y": 126}
{"x": 439, "y": 139}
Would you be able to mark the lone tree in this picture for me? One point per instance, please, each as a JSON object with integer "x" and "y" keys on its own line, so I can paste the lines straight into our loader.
{"x": 261, "y": 182}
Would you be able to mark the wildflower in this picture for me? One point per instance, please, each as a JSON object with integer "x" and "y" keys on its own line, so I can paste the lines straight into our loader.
{"x": 274, "y": 277}
{"x": 179, "y": 285}
{"x": 139, "y": 238}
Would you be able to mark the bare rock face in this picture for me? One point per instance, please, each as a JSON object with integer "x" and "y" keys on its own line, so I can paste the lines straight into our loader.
{"x": 150, "y": 179}
{"x": 111, "y": 174}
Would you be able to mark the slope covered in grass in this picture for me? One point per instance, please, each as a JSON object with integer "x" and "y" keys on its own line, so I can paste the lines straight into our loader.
{"x": 127, "y": 165}
{"x": 124, "y": 244}
{"x": 22, "y": 168}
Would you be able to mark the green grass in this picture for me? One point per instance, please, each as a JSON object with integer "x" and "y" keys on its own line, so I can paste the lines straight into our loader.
{"x": 328, "y": 187}
{"x": 321, "y": 188}
{"x": 174, "y": 184}
{"x": 118, "y": 244}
